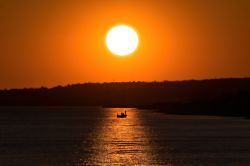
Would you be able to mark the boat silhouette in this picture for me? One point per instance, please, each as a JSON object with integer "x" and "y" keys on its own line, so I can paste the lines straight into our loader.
{"x": 122, "y": 115}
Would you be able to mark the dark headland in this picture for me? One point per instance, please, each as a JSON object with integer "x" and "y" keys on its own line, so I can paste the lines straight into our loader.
{"x": 220, "y": 97}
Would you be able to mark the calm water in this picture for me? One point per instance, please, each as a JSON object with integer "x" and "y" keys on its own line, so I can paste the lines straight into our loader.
{"x": 94, "y": 136}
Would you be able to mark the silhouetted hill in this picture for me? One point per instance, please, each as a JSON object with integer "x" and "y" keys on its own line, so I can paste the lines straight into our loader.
{"x": 197, "y": 96}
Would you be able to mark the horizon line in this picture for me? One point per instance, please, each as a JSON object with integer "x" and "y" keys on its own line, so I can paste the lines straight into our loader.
{"x": 110, "y": 82}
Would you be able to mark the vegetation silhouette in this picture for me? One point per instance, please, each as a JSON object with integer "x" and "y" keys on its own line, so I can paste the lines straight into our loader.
{"x": 226, "y": 97}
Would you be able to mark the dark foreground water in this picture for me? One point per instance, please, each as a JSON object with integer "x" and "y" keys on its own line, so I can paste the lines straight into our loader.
{"x": 34, "y": 136}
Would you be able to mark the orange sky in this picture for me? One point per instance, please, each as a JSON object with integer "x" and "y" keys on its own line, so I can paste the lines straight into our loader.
{"x": 47, "y": 43}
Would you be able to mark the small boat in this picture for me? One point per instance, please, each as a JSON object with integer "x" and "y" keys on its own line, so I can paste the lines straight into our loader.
{"x": 122, "y": 115}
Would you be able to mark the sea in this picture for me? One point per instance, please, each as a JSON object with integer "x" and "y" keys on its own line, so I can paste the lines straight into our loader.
{"x": 78, "y": 136}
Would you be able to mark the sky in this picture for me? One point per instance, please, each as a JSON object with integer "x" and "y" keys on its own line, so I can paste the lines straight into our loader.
{"x": 59, "y": 42}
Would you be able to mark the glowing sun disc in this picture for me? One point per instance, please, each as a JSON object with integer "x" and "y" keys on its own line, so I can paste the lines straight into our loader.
{"x": 122, "y": 40}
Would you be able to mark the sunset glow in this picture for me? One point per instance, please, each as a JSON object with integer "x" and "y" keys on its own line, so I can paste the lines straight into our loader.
{"x": 125, "y": 82}
{"x": 54, "y": 43}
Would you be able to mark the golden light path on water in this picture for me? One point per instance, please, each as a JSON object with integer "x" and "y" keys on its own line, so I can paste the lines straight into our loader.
{"x": 120, "y": 141}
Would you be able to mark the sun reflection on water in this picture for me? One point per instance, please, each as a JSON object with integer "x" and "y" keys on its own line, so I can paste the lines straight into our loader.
{"x": 120, "y": 141}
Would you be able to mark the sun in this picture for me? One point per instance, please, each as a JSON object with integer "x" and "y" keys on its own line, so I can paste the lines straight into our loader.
{"x": 122, "y": 40}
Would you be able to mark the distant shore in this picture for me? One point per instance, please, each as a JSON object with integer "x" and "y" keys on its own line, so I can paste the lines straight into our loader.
{"x": 219, "y": 97}
{"x": 206, "y": 109}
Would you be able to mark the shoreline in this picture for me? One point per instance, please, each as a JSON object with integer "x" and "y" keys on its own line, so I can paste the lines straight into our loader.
{"x": 180, "y": 109}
